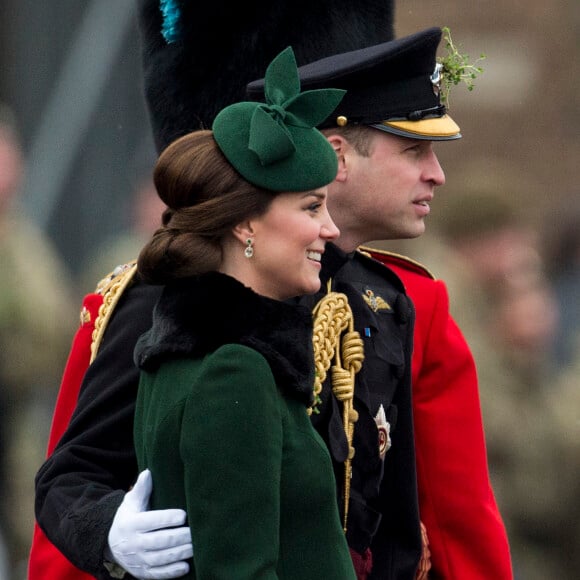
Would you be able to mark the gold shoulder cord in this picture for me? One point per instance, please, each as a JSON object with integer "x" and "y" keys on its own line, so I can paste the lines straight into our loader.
{"x": 332, "y": 317}
{"x": 112, "y": 288}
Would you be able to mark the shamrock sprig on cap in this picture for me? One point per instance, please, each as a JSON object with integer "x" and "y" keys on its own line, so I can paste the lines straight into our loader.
{"x": 456, "y": 68}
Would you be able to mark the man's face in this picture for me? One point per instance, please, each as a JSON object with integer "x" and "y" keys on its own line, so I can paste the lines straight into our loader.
{"x": 387, "y": 194}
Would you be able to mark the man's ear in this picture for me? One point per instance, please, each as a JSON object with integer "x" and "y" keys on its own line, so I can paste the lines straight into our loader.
{"x": 340, "y": 145}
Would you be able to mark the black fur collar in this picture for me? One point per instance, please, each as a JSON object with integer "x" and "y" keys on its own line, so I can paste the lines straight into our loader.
{"x": 197, "y": 315}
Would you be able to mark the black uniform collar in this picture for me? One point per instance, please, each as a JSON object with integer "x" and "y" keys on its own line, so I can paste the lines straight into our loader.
{"x": 333, "y": 260}
{"x": 197, "y": 315}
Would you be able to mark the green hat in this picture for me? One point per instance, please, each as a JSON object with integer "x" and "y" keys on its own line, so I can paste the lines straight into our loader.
{"x": 276, "y": 145}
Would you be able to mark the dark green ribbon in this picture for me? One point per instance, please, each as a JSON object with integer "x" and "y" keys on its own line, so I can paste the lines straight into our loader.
{"x": 269, "y": 137}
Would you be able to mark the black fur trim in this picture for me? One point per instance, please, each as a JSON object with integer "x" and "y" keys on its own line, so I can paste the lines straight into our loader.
{"x": 197, "y": 315}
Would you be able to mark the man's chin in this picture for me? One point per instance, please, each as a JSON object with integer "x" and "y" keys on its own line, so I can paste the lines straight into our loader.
{"x": 412, "y": 233}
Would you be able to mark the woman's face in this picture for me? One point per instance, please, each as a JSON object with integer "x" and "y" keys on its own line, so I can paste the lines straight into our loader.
{"x": 288, "y": 242}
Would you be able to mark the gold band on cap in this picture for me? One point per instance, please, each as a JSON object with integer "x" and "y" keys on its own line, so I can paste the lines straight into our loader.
{"x": 436, "y": 127}
{"x": 341, "y": 121}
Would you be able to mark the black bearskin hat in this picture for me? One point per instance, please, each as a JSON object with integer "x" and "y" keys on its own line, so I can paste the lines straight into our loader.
{"x": 220, "y": 47}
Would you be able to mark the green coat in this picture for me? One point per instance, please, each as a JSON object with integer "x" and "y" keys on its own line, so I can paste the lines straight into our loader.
{"x": 222, "y": 425}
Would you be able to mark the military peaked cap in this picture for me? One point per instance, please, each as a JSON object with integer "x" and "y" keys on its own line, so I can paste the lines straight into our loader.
{"x": 392, "y": 86}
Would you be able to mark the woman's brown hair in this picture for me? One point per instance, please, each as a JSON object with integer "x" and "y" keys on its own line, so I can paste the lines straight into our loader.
{"x": 205, "y": 197}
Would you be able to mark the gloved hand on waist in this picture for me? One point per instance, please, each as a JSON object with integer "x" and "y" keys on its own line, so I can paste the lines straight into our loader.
{"x": 148, "y": 544}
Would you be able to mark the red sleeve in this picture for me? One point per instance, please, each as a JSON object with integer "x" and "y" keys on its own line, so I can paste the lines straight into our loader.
{"x": 466, "y": 533}
{"x": 45, "y": 560}
{"x": 74, "y": 371}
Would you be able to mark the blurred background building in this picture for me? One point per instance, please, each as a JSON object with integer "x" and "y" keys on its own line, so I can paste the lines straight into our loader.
{"x": 70, "y": 72}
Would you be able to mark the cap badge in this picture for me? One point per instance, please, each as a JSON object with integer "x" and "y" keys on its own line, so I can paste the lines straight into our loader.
{"x": 436, "y": 78}
{"x": 374, "y": 302}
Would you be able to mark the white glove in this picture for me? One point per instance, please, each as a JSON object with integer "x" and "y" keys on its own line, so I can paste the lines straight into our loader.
{"x": 148, "y": 544}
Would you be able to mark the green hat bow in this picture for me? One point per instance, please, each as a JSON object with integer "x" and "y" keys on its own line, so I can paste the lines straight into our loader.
{"x": 276, "y": 145}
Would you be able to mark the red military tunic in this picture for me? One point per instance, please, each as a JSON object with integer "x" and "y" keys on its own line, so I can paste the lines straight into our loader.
{"x": 466, "y": 533}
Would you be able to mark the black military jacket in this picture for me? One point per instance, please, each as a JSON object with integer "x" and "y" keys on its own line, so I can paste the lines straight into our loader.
{"x": 383, "y": 510}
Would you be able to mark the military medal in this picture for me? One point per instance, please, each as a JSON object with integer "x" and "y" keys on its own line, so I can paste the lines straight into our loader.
{"x": 384, "y": 429}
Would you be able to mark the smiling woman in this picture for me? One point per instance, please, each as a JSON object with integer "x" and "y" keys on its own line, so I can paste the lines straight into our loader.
{"x": 245, "y": 229}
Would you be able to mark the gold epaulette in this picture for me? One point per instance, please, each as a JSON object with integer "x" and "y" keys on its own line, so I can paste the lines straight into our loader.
{"x": 399, "y": 260}
{"x": 111, "y": 287}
